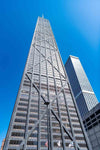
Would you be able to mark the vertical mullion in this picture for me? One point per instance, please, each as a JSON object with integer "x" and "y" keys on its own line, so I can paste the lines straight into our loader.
{"x": 67, "y": 108}
{"x": 48, "y": 99}
{"x": 28, "y": 109}
{"x": 50, "y": 146}
{"x": 27, "y": 118}
{"x": 58, "y": 107}
{"x": 39, "y": 103}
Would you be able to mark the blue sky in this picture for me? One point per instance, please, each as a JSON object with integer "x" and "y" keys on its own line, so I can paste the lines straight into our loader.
{"x": 76, "y": 27}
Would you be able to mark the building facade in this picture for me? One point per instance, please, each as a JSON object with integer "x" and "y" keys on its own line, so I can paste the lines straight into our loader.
{"x": 82, "y": 90}
{"x": 45, "y": 115}
{"x": 92, "y": 125}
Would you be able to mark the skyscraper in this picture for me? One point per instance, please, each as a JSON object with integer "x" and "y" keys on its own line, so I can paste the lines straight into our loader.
{"x": 92, "y": 125}
{"x": 83, "y": 92}
{"x": 45, "y": 114}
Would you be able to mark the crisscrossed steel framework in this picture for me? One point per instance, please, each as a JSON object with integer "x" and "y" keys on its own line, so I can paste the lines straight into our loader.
{"x": 47, "y": 111}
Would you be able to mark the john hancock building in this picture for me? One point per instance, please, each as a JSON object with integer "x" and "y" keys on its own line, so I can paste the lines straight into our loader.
{"x": 45, "y": 115}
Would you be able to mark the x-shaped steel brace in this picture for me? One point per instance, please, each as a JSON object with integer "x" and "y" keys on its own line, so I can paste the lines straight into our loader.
{"x": 43, "y": 33}
{"x": 50, "y": 63}
{"x": 68, "y": 133}
{"x": 58, "y": 119}
{"x": 46, "y": 41}
{"x": 46, "y": 58}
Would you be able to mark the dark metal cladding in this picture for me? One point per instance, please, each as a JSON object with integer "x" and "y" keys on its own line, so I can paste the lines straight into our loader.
{"x": 45, "y": 115}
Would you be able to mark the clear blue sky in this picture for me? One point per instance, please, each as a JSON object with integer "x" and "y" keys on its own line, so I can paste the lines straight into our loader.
{"x": 76, "y": 27}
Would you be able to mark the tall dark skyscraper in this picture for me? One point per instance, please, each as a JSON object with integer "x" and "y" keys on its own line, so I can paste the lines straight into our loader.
{"x": 92, "y": 125}
{"x": 45, "y": 115}
{"x": 83, "y": 92}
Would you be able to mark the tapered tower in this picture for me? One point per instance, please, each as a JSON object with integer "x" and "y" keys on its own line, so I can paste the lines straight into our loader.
{"x": 45, "y": 114}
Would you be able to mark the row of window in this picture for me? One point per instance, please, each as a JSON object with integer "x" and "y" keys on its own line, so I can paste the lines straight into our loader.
{"x": 43, "y": 143}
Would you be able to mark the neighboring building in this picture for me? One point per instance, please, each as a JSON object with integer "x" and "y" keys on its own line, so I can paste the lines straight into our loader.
{"x": 2, "y": 144}
{"x": 82, "y": 90}
{"x": 45, "y": 115}
{"x": 92, "y": 125}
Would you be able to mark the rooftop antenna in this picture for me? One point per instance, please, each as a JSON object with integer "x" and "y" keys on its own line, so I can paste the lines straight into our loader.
{"x": 42, "y": 16}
